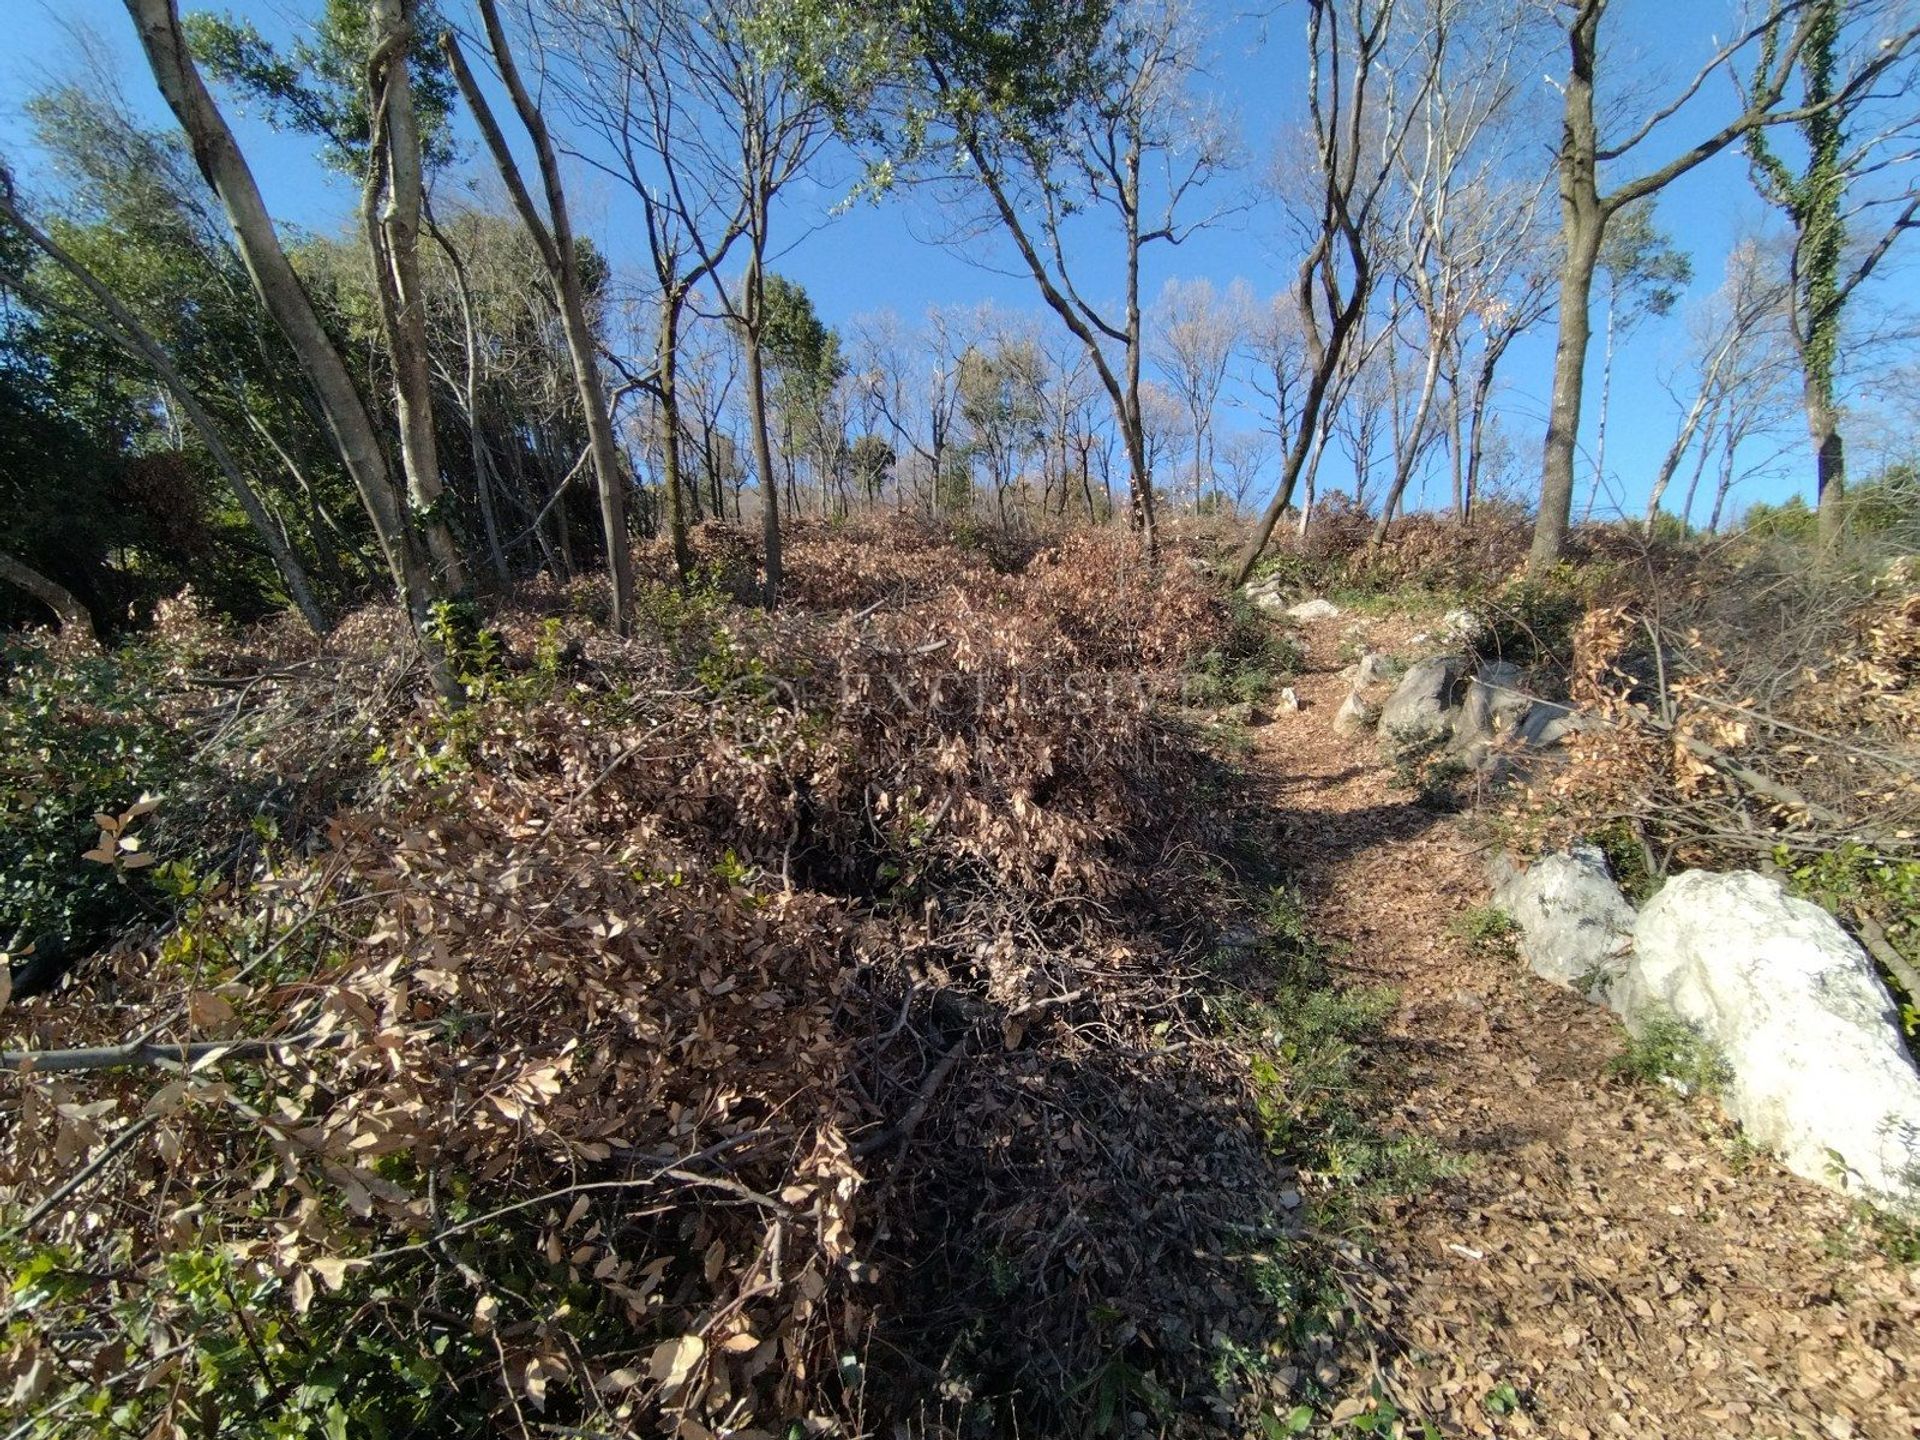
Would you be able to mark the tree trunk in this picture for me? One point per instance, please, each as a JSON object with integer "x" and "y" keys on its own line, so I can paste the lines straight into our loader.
{"x": 562, "y": 260}
{"x": 1582, "y": 221}
{"x": 390, "y": 208}
{"x": 1142, "y": 477}
{"x": 1830, "y": 457}
{"x": 345, "y": 414}
{"x": 670, "y": 431}
{"x": 476, "y": 442}
{"x": 757, "y": 422}
{"x": 1456, "y": 439}
{"x": 1410, "y": 449}
{"x": 1569, "y": 374}
{"x": 1730, "y": 444}
{"x": 56, "y": 597}
{"x": 1606, "y": 403}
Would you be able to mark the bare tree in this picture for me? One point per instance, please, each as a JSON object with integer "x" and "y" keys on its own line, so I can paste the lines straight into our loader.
{"x": 1359, "y": 104}
{"x": 1729, "y": 341}
{"x": 1779, "y": 33}
{"x": 1104, "y": 136}
{"x": 553, "y": 236}
{"x": 1195, "y": 333}
{"x": 1505, "y": 294}
{"x": 1244, "y": 458}
{"x": 1442, "y": 251}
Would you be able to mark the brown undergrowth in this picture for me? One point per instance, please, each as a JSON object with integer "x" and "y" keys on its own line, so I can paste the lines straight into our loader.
{"x": 804, "y": 1022}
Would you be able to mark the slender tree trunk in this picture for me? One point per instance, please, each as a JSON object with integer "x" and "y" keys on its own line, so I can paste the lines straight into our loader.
{"x": 476, "y": 442}
{"x": 1670, "y": 463}
{"x": 1699, "y": 469}
{"x": 390, "y": 208}
{"x": 557, "y": 248}
{"x": 71, "y": 614}
{"x": 1606, "y": 404}
{"x": 1582, "y": 221}
{"x": 757, "y": 422}
{"x": 670, "y": 430}
{"x": 343, "y": 411}
{"x": 1729, "y": 444}
{"x": 1142, "y": 472}
{"x": 1456, "y": 438}
{"x": 1477, "y": 420}
{"x": 1410, "y": 449}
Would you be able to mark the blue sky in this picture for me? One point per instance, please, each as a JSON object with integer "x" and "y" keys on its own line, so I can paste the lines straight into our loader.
{"x": 872, "y": 257}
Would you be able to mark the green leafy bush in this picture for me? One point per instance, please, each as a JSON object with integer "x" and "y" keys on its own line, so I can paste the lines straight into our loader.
{"x": 79, "y": 736}
{"x": 1668, "y": 1051}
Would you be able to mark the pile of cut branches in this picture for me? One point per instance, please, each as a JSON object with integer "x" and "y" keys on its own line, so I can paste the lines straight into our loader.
{"x": 775, "y": 1018}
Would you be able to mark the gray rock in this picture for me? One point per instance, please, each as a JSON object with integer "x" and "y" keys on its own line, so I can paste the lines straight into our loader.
{"x": 1421, "y": 709}
{"x": 1375, "y": 667}
{"x": 1289, "y": 698}
{"x": 1315, "y": 609}
{"x": 1267, "y": 600}
{"x": 1546, "y": 724}
{"x": 1794, "y": 1006}
{"x": 1494, "y": 702}
{"x": 1463, "y": 625}
{"x": 1576, "y": 928}
{"x": 1355, "y": 716}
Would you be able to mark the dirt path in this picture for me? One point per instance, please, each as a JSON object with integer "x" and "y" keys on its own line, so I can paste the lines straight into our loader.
{"x": 1613, "y": 1255}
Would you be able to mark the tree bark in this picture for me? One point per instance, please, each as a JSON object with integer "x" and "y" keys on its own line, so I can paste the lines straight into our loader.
{"x": 1569, "y": 371}
{"x": 556, "y": 246}
{"x": 71, "y": 614}
{"x": 1410, "y": 449}
{"x": 670, "y": 431}
{"x": 757, "y": 422}
{"x": 343, "y": 411}
{"x": 1582, "y": 222}
{"x": 390, "y": 206}
{"x": 1830, "y": 456}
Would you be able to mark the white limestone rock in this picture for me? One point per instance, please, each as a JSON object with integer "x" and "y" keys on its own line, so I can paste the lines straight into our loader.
{"x": 1576, "y": 928}
{"x": 1812, "y": 1039}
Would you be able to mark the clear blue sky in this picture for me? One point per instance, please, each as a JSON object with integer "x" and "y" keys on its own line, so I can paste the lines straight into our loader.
{"x": 872, "y": 258}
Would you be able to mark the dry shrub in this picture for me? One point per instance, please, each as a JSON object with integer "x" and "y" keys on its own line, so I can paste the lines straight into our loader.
{"x": 702, "y": 1033}
{"x": 1753, "y": 709}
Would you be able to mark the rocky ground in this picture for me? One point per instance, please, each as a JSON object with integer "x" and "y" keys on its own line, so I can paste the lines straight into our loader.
{"x": 1613, "y": 1261}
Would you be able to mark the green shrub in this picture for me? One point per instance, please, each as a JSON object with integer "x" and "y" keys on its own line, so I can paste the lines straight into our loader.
{"x": 79, "y": 737}
{"x": 1529, "y": 621}
{"x": 1668, "y": 1051}
{"x": 1487, "y": 929}
{"x": 1254, "y": 656}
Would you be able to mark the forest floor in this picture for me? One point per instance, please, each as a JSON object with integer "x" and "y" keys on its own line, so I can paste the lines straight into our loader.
{"x": 1612, "y": 1260}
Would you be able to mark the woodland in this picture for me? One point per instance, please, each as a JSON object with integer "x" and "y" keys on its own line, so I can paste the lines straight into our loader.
{"x": 592, "y": 845}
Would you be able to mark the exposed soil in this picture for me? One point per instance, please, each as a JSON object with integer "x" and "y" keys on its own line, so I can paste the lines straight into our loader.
{"x": 1613, "y": 1254}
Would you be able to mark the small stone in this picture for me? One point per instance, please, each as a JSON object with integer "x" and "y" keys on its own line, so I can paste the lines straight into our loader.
{"x": 1375, "y": 667}
{"x": 1355, "y": 716}
{"x": 1289, "y": 700}
{"x": 1315, "y": 609}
